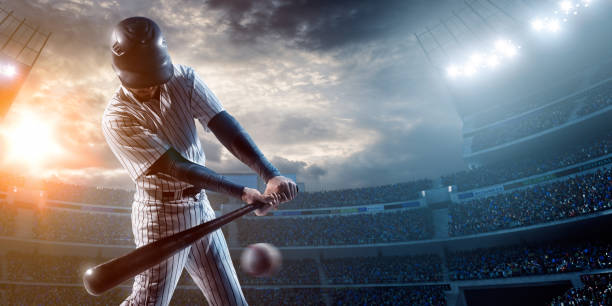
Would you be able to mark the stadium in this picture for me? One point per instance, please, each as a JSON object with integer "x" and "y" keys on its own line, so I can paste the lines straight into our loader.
{"x": 525, "y": 220}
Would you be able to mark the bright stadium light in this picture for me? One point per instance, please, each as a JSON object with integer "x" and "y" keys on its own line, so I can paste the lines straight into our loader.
{"x": 476, "y": 59}
{"x": 469, "y": 70}
{"x": 553, "y": 25}
{"x": 452, "y": 71}
{"x": 8, "y": 70}
{"x": 492, "y": 61}
{"x": 505, "y": 47}
{"x": 537, "y": 24}
{"x": 566, "y": 5}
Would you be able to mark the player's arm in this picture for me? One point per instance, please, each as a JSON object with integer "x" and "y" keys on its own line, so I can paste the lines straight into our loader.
{"x": 231, "y": 134}
{"x": 173, "y": 164}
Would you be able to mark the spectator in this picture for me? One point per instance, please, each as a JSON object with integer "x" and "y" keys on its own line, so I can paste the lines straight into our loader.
{"x": 74, "y": 226}
{"x": 543, "y": 119}
{"x": 8, "y": 212}
{"x": 359, "y": 196}
{"x": 365, "y": 228}
{"x": 523, "y": 260}
{"x": 527, "y": 166}
{"x": 381, "y": 270}
{"x": 597, "y": 290}
{"x": 575, "y": 196}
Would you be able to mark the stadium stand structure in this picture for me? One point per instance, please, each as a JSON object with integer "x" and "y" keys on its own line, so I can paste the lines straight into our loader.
{"x": 383, "y": 261}
{"x": 513, "y": 223}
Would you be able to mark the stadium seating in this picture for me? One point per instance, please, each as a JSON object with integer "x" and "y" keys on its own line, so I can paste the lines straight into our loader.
{"x": 543, "y": 119}
{"x": 575, "y": 196}
{"x": 523, "y": 260}
{"x": 597, "y": 290}
{"x": 384, "y": 227}
{"x": 296, "y": 272}
{"x": 527, "y": 166}
{"x": 52, "y": 224}
{"x": 359, "y": 196}
{"x": 7, "y": 219}
{"x": 420, "y": 295}
{"x": 381, "y": 270}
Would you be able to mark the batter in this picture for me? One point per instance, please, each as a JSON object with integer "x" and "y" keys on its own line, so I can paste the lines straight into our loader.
{"x": 149, "y": 125}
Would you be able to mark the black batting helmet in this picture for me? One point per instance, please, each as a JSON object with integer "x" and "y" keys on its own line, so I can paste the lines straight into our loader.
{"x": 140, "y": 54}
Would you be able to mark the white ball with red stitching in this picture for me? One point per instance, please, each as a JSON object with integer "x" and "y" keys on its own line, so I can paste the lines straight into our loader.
{"x": 260, "y": 260}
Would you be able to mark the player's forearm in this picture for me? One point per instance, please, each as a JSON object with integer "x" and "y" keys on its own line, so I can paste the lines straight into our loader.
{"x": 173, "y": 164}
{"x": 239, "y": 143}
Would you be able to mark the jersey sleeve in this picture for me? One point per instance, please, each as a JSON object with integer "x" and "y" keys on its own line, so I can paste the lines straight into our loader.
{"x": 204, "y": 103}
{"x": 136, "y": 147}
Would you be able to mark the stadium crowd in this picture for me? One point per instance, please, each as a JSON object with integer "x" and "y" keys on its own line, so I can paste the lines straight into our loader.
{"x": 8, "y": 212}
{"x": 359, "y": 196}
{"x": 503, "y": 111}
{"x": 523, "y": 260}
{"x": 575, "y": 196}
{"x": 417, "y": 295}
{"x": 529, "y": 165}
{"x": 599, "y": 100}
{"x": 294, "y": 272}
{"x": 285, "y": 296}
{"x": 75, "y": 295}
{"x": 56, "y": 190}
{"x": 34, "y": 267}
{"x": 543, "y": 119}
{"x": 523, "y": 126}
{"x": 65, "y": 225}
{"x": 366, "y": 228}
{"x": 597, "y": 290}
{"x": 383, "y": 270}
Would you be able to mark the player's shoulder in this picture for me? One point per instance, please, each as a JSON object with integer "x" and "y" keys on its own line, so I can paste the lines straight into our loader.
{"x": 183, "y": 72}
{"x": 117, "y": 107}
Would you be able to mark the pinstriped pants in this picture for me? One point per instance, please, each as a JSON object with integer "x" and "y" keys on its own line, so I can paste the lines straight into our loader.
{"x": 207, "y": 261}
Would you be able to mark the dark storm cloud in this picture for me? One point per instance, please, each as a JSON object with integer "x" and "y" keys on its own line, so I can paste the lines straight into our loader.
{"x": 317, "y": 24}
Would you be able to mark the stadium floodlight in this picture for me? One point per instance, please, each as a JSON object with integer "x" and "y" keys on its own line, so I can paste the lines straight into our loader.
{"x": 476, "y": 59}
{"x": 537, "y": 24}
{"x": 505, "y": 47}
{"x": 469, "y": 70}
{"x": 8, "y": 70}
{"x": 452, "y": 71}
{"x": 553, "y": 25}
{"x": 566, "y": 5}
{"x": 492, "y": 61}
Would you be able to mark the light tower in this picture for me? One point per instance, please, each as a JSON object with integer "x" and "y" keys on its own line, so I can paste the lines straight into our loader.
{"x": 21, "y": 44}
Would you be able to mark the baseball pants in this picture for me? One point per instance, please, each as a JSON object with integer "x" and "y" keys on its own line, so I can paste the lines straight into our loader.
{"x": 207, "y": 261}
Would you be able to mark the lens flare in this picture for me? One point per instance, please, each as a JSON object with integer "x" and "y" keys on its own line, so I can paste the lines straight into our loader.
{"x": 30, "y": 141}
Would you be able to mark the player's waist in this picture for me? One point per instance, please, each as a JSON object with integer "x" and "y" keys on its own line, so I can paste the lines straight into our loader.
{"x": 167, "y": 195}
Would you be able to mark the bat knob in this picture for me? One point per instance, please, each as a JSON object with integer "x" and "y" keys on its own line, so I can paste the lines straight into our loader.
{"x": 92, "y": 283}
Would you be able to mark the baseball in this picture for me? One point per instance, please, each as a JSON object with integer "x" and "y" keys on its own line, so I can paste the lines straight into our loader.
{"x": 260, "y": 260}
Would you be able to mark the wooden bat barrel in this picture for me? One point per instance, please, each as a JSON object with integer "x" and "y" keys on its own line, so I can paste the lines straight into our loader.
{"x": 110, "y": 274}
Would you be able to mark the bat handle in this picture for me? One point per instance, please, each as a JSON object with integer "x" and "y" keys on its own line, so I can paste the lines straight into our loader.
{"x": 105, "y": 276}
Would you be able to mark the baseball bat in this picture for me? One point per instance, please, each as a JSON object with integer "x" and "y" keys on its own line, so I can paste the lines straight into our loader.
{"x": 110, "y": 274}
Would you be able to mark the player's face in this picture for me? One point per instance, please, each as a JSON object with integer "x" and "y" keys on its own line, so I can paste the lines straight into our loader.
{"x": 144, "y": 94}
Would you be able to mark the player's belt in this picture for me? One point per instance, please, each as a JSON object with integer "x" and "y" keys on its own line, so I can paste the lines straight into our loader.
{"x": 179, "y": 194}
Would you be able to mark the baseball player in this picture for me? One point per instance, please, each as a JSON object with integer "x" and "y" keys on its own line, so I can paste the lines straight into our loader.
{"x": 149, "y": 125}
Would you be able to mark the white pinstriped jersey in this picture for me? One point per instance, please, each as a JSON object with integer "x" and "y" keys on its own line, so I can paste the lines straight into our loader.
{"x": 138, "y": 133}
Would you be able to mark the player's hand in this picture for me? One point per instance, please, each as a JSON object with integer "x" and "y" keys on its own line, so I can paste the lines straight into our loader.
{"x": 282, "y": 186}
{"x": 250, "y": 196}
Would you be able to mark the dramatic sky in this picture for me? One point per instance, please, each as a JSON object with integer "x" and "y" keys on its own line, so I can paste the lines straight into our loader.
{"x": 336, "y": 91}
